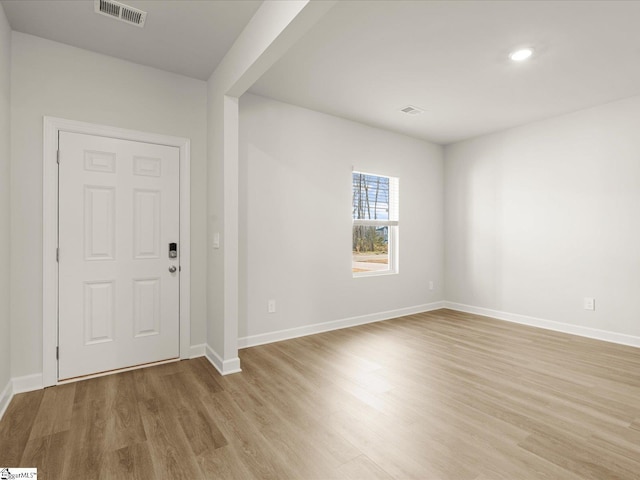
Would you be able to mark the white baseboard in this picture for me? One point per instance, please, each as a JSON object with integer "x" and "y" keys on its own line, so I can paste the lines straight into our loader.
{"x": 255, "y": 340}
{"x": 28, "y": 383}
{"x": 198, "y": 350}
{"x": 5, "y": 397}
{"x": 581, "y": 331}
{"x": 17, "y": 385}
{"x": 224, "y": 367}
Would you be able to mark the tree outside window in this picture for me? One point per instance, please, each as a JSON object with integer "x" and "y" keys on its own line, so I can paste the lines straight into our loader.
{"x": 375, "y": 224}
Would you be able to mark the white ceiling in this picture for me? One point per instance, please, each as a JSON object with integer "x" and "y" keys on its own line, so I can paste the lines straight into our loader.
{"x": 180, "y": 36}
{"x": 366, "y": 60}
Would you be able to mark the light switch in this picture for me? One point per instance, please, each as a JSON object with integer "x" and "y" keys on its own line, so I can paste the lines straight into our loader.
{"x": 589, "y": 303}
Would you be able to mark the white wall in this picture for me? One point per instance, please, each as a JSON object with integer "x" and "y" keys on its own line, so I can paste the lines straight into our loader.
{"x": 49, "y": 78}
{"x": 295, "y": 217}
{"x": 541, "y": 216}
{"x": 5, "y": 151}
{"x": 215, "y": 221}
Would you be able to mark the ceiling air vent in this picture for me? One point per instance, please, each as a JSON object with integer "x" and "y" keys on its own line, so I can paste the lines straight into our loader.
{"x": 411, "y": 110}
{"x": 121, "y": 12}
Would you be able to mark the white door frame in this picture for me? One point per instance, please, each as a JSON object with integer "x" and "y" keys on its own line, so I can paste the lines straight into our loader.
{"x": 52, "y": 126}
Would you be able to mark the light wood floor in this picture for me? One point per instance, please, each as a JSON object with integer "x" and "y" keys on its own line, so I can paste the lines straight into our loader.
{"x": 441, "y": 395}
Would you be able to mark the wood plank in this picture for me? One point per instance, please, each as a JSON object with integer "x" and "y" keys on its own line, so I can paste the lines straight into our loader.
{"x": 54, "y": 413}
{"x": 16, "y": 425}
{"x": 89, "y": 422}
{"x": 581, "y": 458}
{"x": 47, "y": 454}
{"x": 200, "y": 429}
{"x": 125, "y": 426}
{"x": 247, "y": 441}
{"x": 130, "y": 462}
{"x": 226, "y": 462}
{"x": 169, "y": 448}
{"x": 360, "y": 468}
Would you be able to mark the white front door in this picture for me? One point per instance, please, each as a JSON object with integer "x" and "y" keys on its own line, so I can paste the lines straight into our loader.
{"x": 118, "y": 285}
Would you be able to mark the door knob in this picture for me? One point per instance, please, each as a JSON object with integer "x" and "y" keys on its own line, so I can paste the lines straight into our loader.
{"x": 172, "y": 269}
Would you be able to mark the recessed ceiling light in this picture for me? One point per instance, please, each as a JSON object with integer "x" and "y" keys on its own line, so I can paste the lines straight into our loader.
{"x": 521, "y": 55}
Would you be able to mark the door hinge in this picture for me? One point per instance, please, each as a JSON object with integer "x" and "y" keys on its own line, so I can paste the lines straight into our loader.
{"x": 57, "y": 255}
{"x": 58, "y": 157}
{"x": 57, "y": 353}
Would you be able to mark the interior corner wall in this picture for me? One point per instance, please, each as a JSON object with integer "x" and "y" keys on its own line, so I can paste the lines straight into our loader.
{"x": 541, "y": 216}
{"x": 295, "y": 218}
{"x": 53, "y": 79}
{"x": 5, "y": 200}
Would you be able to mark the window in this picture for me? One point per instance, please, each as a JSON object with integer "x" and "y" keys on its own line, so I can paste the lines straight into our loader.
{"x": 375, "y": 224}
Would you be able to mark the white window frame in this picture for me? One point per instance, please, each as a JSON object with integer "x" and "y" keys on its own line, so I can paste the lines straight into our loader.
{"x": 393, "y": 235}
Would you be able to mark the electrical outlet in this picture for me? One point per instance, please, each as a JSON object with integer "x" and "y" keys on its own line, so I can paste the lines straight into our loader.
{"x": 271, "y": 306}
{"x": 216, "y": 240}
{"x": 589, "y": 303}
{"x": 431, "y": 285}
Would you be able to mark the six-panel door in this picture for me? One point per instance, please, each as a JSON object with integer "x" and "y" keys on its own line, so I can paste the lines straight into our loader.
{"x": 118, "y": 213}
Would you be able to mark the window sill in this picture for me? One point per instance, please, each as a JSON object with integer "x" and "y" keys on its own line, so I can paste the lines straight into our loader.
{"x": 374, "y": 274}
